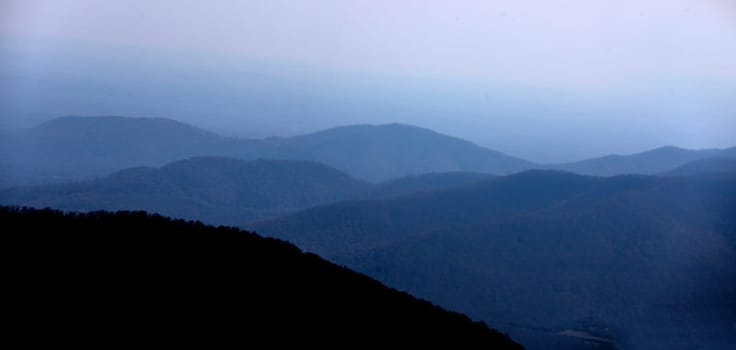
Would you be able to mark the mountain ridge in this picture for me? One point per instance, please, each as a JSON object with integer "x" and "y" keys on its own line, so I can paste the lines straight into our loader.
{"x": 216, "y": 190}
{"x": 133, "y": 277}
{"x": 74, "y": 148}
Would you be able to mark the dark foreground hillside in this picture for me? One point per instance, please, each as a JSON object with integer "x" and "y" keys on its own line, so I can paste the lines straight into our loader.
{"x": 134, "y": 278}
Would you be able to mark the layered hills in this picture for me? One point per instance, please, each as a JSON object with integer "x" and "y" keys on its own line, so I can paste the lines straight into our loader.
{"x": 74, "y": 148}
{"x": 633, "y": 261}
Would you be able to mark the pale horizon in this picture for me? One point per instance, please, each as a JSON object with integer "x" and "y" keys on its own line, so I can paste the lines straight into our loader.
{"x": 561, "y": 81}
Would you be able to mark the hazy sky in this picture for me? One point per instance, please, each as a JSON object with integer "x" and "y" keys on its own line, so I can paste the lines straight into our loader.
{"x": 562, "y": 75}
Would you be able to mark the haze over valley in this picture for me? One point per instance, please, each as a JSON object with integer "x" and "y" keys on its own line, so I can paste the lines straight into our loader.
{"x": 505, "y": 175}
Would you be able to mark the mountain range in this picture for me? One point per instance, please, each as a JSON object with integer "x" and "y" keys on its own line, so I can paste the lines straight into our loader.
{"x": 130, "y": 278}
{"x": 73, "y": 148}
{"x": 635, "y": 262}
{"x": 228, "y": 191}
{"x": 224, "y": 191}
{"x": 76, "y": 148}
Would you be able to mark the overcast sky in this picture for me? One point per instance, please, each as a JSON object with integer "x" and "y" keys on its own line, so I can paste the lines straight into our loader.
{"x": 657, "y": 71}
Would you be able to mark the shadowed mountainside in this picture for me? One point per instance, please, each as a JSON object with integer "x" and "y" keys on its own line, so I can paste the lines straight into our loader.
{"x": 640, "y": 262}
{"x": 131, "y": 277}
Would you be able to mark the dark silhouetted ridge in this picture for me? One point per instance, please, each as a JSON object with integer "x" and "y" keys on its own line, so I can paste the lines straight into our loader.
{"x": 130, "y": 278}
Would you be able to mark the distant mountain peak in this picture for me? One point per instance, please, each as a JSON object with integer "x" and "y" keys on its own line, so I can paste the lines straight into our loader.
{"x": 388, "y": 151}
